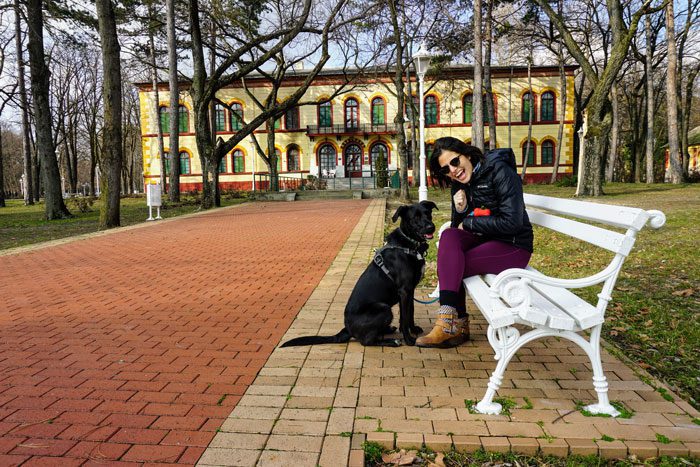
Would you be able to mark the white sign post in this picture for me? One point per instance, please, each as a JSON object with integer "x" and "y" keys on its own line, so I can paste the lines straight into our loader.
{"x": 153, "y": 200}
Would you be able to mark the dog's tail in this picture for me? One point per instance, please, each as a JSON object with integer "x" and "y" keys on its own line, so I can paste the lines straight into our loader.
{"x": 342, "y": 337}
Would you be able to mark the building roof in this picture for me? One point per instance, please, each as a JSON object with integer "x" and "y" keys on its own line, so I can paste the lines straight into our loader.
{"x": 445, "y": 72}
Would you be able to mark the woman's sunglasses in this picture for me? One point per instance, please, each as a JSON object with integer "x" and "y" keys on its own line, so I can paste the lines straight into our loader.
{"x": 445, "y": 169}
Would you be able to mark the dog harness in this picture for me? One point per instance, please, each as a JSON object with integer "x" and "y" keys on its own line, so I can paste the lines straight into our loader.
{"x": 378, "y": 260}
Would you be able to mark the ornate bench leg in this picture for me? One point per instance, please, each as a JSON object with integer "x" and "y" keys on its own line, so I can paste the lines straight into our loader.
{"x": 600, "y": 383}
{"x": 487, "y": 405}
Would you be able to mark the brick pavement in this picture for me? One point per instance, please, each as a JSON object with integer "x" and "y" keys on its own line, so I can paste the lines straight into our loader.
{"x": 133, "y": 347}
{"x": 315, "y": 405}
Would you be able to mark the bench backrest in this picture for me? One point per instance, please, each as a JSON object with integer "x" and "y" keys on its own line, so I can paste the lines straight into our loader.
{"x": 545, "y": 211}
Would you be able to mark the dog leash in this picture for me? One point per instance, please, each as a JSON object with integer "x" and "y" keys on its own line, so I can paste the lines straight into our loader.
{"x": 428, "y": 302}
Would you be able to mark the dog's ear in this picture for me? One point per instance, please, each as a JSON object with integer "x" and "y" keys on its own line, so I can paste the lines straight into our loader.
{"x": 429, "y": 204}
{"x": 399, "y": 212}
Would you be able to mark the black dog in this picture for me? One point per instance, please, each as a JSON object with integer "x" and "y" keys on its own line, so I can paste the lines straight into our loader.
{"x": 389, "y": 279}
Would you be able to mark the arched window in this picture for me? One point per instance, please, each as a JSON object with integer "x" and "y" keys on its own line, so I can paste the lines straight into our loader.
{"x": 431, "y": 110}
{"x": 352, "y": 114}
{"x": 164, "y": 118}
{"x": 238, "y": 161}
{"x": 293, "y": 158}
{"x": 219, "y": 117}
{"x": 353, "y": 161}
{"x": 379, "y": 150}
{"x": 325, "y": 115}
{"x": 529, "y": 153}
{"x": 547, "y": 107}
{"x": 467, "y": 108}
{"x": 185, "y": 168}
{"x": 378, "y": 111}
{"x": 222, "y": 165}
{"x": 183, "y": 120}
{"x": 291, "y": 119}
{"x": 236, "y": 116}
{"x": 527, "y": 103}
{"x": 547, "y": 152}
{"x": 327, "y": 160}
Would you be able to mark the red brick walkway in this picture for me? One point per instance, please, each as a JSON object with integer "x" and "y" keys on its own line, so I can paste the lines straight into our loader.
{"x": 133, "y": 347}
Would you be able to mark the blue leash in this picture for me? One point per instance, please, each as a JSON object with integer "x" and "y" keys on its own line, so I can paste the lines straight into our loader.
{"x": 428, "y": 302}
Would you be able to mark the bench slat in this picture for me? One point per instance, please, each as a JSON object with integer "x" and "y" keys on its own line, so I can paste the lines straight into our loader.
{"x": 619, "y": 216}
{"x": 479, "y": 292}
{"x": 611, "y": 241}
{"x": 585, "y": 314}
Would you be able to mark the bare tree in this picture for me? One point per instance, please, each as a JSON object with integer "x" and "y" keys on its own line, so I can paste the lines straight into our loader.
{"x": 675, "y": 167}
{"x": 490, "y": 111}
{"x": 649, "y": 102}
{"x": 55, "y": 208}
{"x": 112, "y": 157}
{"x": 174, "y": 106}
{"x": 597, "y": 107}
{"x": 23, "y": 109}
{"x": 477, "y": 99}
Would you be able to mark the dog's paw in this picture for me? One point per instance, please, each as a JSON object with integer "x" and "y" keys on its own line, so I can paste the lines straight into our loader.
{"x": 394, "y": 343}
{"x": 416, "y": 329}
{"x": 390, "y": 330}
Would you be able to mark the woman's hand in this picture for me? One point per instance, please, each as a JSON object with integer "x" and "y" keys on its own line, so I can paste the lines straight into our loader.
{"x": 460, "y": 200}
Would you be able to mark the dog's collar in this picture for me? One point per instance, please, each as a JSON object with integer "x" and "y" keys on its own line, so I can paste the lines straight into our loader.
{"x": 413, "y": 242}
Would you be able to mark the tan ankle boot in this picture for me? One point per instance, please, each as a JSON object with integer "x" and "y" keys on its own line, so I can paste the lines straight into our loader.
{"x": 449, "y": 331}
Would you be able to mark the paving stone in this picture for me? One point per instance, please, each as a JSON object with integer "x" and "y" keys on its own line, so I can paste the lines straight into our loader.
{"x": 409, "y": 441}
{"x": 438, "y": 443}
{"x": 495, "y": 443}
{"x": 335, "y": 451}
{"x": 554, "y": 447}
{"x": 642, "y": 449}
{"x": 294, "y": 443}
{"x": 675, "y": 448}
{"x": 582, "y": 446}
{"x": 528, "y": 446}
{"x": 357, "y": 458}
{"x": 287, "y": 458}
{"x": 239, "y": 441}
{"x": 615, "y": 449}
{"x": 382, "y": 438}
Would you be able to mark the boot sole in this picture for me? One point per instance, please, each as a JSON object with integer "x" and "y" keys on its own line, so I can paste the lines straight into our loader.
{"x": 446, "y": 344}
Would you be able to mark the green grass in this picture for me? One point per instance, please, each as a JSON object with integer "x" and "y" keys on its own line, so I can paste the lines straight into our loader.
{"x": 22, "y": 225}
{"x": 373, "y": 458}
{"x": 653, "y": 315}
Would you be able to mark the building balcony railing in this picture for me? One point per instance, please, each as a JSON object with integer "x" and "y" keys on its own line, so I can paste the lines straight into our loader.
{"x": 364, "y": 129}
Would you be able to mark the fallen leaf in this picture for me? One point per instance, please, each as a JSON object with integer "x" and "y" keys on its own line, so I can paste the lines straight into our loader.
{"x": 399, "y": 458}
{"x": 439, "y": 461}
{"x": 683, "y": 293}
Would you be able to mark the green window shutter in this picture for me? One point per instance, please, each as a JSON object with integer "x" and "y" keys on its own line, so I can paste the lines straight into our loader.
{"x": 183, "y": 123}
{"x": 164, "y": 119}
{"x": 238, "y": 162}
{"x": 222, "y": 166}
{"x": 467, "y": 108}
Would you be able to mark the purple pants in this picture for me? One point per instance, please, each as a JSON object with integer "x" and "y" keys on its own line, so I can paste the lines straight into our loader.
{"x": 462, "y": 254}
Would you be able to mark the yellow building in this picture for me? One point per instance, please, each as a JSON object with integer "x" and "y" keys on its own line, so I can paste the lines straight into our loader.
{"x": 342, "y": 138}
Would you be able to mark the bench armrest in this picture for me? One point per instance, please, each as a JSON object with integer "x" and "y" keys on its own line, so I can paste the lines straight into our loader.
{"x": 532, "y": 275}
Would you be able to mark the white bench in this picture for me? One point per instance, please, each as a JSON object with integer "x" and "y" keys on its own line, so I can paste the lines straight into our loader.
{"x": 545, "y": 304}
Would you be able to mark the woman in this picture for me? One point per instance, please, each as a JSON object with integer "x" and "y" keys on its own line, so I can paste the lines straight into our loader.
{"x": 490, "y": 229}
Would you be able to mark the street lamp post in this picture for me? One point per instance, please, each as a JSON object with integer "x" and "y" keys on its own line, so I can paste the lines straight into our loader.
{"x": 421, "y": 59}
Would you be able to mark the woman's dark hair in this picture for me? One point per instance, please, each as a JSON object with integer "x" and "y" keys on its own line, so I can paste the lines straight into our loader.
{"x": 448, "y": 143}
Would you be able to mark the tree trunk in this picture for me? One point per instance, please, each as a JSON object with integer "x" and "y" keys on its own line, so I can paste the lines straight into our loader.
{"x": 404, "y": 194}
{"x": 675, "y": 169}
{"x": 490, "y": 111}
{"x": 53, "y": 198}
{"x": 686, "y": 111}
{"x": 111, "y": 160}
{"x": 154, "y": 79}
{"x": 272, "y": 156}
{"x": 650, "y": 104}
{"x": 614, "y": 137}
{"x": 530, "y": 114}
{"x": 174, "y": 104}
{"x": 562, "y": 108}
{"x": 24, "y": 111}
{"x": 477, "y": 99}
{"x": 2, "y": 177}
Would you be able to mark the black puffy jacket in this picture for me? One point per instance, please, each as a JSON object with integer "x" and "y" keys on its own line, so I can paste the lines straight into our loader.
{"x": 496, "y": 185}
